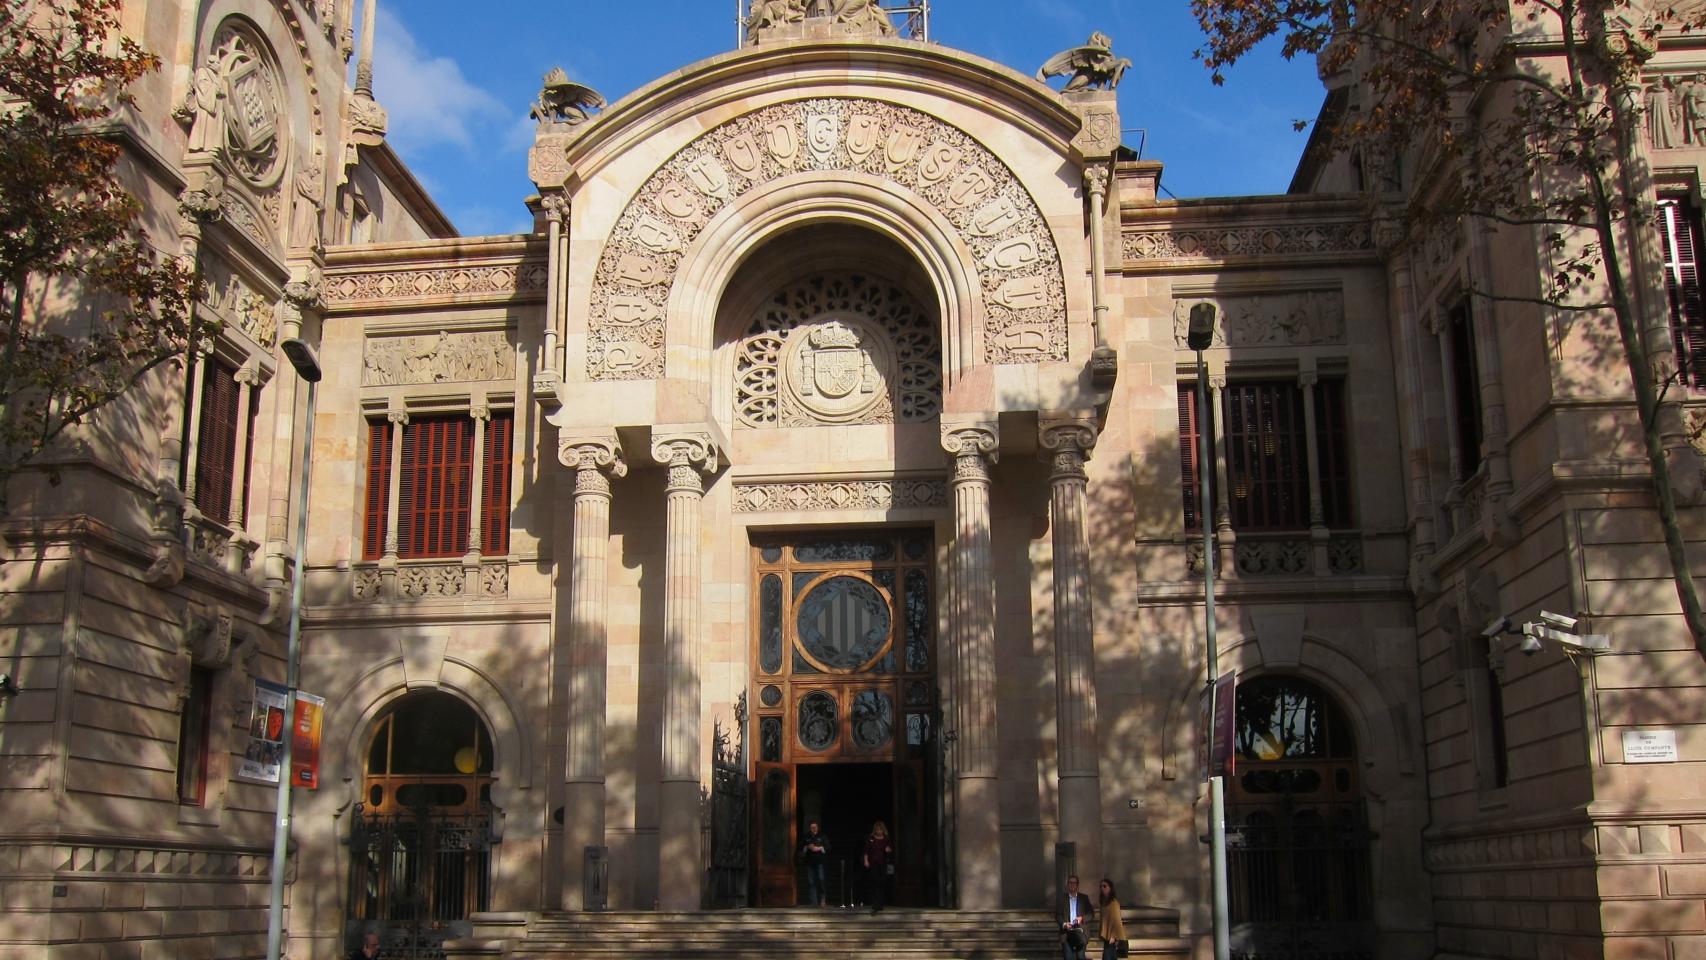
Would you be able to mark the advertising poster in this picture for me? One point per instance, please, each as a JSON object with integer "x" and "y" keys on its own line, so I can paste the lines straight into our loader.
{"x": 266, "y": 734}
{"x": 305, "y": 750}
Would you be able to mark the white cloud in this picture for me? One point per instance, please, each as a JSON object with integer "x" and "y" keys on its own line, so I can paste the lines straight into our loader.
{"x": 428, "y": 99}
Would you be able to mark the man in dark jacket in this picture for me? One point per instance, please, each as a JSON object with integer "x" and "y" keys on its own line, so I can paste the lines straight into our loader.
{"x": 1075, "y": 913}
{"x": 814, "y": 852}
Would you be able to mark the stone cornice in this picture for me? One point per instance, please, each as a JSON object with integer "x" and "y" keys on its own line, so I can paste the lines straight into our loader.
{"x": 1245, "y": 231}
{"x": 436, "y": 273}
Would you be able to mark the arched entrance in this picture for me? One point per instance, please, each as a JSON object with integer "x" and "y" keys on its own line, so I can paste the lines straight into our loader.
{"x": 421, "y": 838}
{"x": 1297, "y": 837}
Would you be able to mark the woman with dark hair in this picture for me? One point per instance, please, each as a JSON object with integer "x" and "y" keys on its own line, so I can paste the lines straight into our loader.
{"x": 1113, "y": 928}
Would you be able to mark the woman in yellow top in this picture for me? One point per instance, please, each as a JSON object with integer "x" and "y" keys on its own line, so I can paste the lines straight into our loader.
{"x": 1113, "y": 928}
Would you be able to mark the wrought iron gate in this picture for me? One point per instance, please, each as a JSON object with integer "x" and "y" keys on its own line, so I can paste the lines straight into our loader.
{"x": 730, "y": 850}
{"x": 418, "y": 876}
{"x": 1299, "y": 883}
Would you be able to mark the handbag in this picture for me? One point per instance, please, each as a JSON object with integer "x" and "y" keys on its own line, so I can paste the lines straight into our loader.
{"x": 1124, "y": 948}
{"x": 1077, "y": 939}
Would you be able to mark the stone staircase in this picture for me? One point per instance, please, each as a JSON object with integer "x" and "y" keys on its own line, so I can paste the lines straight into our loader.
{"x": 804, "y": 933}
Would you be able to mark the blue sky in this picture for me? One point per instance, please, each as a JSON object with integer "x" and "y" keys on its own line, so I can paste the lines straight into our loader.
{"x": 458, "y": 84}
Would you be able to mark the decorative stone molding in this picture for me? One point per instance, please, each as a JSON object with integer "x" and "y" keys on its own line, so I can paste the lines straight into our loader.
{"x": 416, "y": 582}
{"x": 777, "y": 497}
{"x": 1304, "y": 318}
{"x": 494, "y": 581}
{"x": 990, "y": 210}
{"x": 444, "y": 358}
{"x": 1529, "y": 848}
{"x": 1241, "y": 242}
{"x": 839, "y": 348}
{"x": 367, "y": 583}
{"x": 135, "y": 861}
{"x": 460, "y": 285}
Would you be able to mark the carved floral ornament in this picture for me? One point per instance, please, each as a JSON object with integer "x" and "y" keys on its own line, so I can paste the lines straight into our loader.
{"x": 839, "y": 348}
{"x": 1014, "y": 253}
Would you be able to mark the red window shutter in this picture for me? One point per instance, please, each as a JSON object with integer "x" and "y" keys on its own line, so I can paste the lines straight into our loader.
{"x": 433, "y": 508}
{"x": 1190, "y": 443}
{"x": 1679, "y": 236}
{"x": 216, "y": 442}
{"x": 494, "y": 485}
{"x": 193, "y": 738}
{"x": 1267, "y": 466}
{"x": 1331, "y": 444}
{"x": 378, "y": 490}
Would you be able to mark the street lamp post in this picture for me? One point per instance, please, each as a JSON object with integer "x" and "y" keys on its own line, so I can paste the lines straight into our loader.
{"x": 307, "y": 365}
{"x": 1199, "y": 336}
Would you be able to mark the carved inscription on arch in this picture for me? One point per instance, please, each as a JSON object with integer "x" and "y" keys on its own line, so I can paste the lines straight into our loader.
{"x": 1017, "y": 263}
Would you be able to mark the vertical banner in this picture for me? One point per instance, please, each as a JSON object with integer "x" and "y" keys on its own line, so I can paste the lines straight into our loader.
{"x": 1216, "y": 751}
{"x": 305, "y": 748}
{"x": 265, "y": 750}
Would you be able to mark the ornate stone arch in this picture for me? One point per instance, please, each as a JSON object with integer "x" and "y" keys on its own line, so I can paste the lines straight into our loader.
{"x": 927, "y": 184}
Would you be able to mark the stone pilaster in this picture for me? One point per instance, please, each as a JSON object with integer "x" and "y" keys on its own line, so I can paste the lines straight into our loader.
{"x": 687, "y": 455}
{"x": 595, "y": 460}
{"x": 1066, "y": 445}
{"x": 971, "y": 626}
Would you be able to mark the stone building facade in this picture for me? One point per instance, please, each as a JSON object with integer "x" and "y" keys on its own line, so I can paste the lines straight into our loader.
{"x": 826, "y": 453}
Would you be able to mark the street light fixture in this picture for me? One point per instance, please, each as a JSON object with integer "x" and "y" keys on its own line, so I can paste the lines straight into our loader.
{"x": 1199, "y": 336}
{"x": 301, "y": 356}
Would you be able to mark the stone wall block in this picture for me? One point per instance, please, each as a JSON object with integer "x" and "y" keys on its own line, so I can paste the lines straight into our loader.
{"x": 1685, "y": 881}
{"x": 1632, "y": 916}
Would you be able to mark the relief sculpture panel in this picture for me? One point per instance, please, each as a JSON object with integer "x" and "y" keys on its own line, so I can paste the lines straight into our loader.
{"x": 995, "y": 217}
{"x": 444, "y": 358}
{"x": 1300, "y": 319}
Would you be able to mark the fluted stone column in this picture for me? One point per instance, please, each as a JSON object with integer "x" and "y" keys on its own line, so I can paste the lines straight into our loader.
{"x": 1066, "y": 445}
{"x": 686, "y": 455}
{"x": 595, "y": 460}
{"x": 971, "y": 627}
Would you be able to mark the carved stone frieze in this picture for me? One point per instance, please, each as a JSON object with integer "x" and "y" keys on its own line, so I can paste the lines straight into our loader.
{"x": 1303, "y": 318}
{"x": 249, "y": 219}
{"x": 367, "y": 583}
{"x": 1017, "y": 261}
{"x": 206, "y": 866}
{"x": 443, "y": 284}
{"x": 435, "y": 580}
{"x": 494, "y": 580}
{"x": 1239, "y": 242}
{"x": 840, "y": 348}
{"x": 444, "y": 358}
{"x": 839, "y": 495}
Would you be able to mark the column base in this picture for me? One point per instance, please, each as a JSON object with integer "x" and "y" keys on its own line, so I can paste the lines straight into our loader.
{"x": 977, "y": 843}
{"x": 679, "y": 872}
{"x": 1081, "y": 824}
{"x": 583, "y": 826}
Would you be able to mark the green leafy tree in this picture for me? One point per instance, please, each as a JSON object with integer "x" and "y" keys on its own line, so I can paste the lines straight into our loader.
{"x": 1522, "y": 117}
{"x": 87, "y": 306}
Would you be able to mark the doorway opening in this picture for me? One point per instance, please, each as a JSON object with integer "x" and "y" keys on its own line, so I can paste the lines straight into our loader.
{"x": 845, "y": 799}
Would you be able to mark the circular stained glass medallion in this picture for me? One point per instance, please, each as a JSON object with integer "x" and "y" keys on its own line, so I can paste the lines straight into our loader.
{"x": 843, "y": 623}
{"x": 771, "y": 695}
{"x": 817, "y": 721}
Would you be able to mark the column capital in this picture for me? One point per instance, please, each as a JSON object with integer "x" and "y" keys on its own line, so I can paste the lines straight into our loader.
{"x": 1217, "y": 381}
{"x": 1308, "y": 378}
{"x": 1057, "y": 434}
{"x": 601, "y": 452}
{"x": 398, "y": 417}
{"x": 249, "y": 374}
{"x": 480, "y": 410}
{"x": 972, "y": 438}
{"x": 687, "y": 448}
{"x": 1096, "y": 179}
{"x": 556, "y": 206}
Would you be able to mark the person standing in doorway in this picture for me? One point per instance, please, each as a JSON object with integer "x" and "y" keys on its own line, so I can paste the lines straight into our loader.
{"x": 814, "y": 852}
{"x": 369, "y": 949}
{"x": 879, "y": 864}
{"x": 1113, "y": 927}
{"x": 1075, "y": 912}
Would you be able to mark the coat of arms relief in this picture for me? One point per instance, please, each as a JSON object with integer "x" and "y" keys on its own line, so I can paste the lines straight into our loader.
{"x": 838, "y": 349}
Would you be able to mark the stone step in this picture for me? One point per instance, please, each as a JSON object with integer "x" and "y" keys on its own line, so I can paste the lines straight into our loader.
{"x": 786, "y": 934}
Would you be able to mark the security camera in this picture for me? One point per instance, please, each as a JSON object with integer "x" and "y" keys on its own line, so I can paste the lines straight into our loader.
{"x": 1498, "y": 626}
{"x": 1535, "y": 633}
{"x": 1530, "y": 644}
{"x": 1558, "y": 620}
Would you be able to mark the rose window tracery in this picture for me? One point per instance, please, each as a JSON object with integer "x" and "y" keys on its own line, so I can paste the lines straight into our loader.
{"x": 237, "y": 103}
{"x": 837, "y": 349}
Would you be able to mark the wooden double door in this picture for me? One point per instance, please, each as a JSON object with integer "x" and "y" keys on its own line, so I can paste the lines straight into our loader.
{"x": 844, "y": 671}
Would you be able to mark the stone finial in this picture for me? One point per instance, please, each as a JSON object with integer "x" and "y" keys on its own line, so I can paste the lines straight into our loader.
{"x": 564, "y": 103}
{"x": 1090, "y": 66}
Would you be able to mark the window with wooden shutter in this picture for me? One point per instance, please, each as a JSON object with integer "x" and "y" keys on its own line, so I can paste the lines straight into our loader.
{"x": 1190, "y": 451}
{"x": 1331, "y": 446}
{"x": 494, "y": 485}
{"x": 216, "y": 467}
{"x": 1267, "y": 466}
{"x": 1679, "y": 235}
{"x": 193, "y": 730}
{"x": 378, "y": 501}
{"x": 1466, "y": 386}
{"x": 436, "y": 488}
